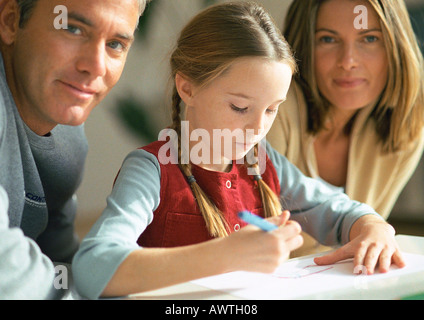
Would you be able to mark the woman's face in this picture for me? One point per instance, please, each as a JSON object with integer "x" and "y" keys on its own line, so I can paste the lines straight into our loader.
{"x": 351, "y": 63}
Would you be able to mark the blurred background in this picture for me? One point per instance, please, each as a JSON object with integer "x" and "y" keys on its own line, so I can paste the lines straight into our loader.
{"x": 138, "y": 108}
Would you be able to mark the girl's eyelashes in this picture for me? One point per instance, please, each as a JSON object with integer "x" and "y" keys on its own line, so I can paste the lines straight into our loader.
{"x": 237, "y": 109}
{"x": 272, "y": 111}
{"x": 244, "y": 110}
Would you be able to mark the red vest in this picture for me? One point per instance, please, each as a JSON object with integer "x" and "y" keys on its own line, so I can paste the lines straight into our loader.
{"x": 177, "y": 221}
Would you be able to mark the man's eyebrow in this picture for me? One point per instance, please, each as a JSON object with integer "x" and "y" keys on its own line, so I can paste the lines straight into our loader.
{"x": 125, "y": 36}
{"x": 80, "y": 18}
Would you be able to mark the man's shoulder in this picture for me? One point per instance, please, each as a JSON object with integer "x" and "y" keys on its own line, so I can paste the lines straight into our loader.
{"x": 4, "y": 100}
{"x": 3, "y": 116}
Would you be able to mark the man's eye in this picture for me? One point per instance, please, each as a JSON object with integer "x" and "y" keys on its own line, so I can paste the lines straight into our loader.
{"x": 74, "y": 30}
{"x": 116, "y": 45}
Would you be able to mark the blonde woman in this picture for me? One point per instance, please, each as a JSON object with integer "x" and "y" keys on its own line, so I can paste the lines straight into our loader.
{"x": 354, "y": 115}
{"x": 170, "y": 219}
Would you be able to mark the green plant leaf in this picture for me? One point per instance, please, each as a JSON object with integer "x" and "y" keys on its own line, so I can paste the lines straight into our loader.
{"x": 137, "y": 119}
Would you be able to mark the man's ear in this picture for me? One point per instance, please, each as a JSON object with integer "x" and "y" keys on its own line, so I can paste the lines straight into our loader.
{"x": 184, "y": 87}
{"x": 9, "y": 21}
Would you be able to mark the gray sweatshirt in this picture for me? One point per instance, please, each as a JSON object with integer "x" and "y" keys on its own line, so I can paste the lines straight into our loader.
{"x": 38, "y": 180}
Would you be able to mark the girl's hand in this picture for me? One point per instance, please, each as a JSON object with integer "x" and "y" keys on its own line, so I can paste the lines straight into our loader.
{"x": 372, "y": 243}
{"x": 252, "y": 249}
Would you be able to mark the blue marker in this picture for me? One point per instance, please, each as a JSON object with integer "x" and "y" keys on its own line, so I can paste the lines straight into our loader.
{"x": 257, "y": 221}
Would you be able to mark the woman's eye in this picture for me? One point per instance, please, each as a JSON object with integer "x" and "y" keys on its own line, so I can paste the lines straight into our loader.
{"x": 370, "y": 39}
{"x": 327, "y": 39}
{"x": 237, "y": 109}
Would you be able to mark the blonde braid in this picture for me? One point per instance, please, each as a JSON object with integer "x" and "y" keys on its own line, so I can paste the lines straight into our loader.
{"x": 270, "y": 201}
{"x": 214, "y": 219}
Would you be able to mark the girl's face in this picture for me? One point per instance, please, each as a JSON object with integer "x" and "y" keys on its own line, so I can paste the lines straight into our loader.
{"x": 238, "y": 108}
{"x": 351, "y": 63}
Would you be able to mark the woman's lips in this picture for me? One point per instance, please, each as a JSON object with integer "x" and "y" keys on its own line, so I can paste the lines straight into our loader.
{"x": 349, "y": 82}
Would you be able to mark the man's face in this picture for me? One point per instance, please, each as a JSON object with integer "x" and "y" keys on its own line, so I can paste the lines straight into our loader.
{"x": 59, "y": 75}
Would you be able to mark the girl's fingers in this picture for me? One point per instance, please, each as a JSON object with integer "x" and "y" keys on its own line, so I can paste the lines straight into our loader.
{"x": 285, "y": 216}
{"x": 290, "y": 230}
{"x": 294, "y": 243}
{"x": 334, "y": 256}
{"x": 281, "y": 219}
{"x": 371, "y": 259}
{"x": 365, "y": 257}
{"x": 398, "y": 260}
{"x": 359, "y": 258}
{"x": 384, "y": 261}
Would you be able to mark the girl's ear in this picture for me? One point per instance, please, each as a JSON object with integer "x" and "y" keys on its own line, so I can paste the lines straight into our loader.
{"x": 184, "y": 87}
{"x": 9, "y": 21}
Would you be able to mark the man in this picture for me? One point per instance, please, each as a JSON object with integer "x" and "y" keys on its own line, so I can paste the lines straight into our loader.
{"x": 50, "y": 79}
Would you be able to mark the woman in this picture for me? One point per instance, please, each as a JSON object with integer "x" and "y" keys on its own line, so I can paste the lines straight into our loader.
{"x": 354, "y": 115}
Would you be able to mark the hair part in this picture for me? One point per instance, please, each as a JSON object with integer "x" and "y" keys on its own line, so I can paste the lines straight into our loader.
{"x": 399, "y": 112}
{"x": 207, "y": 47}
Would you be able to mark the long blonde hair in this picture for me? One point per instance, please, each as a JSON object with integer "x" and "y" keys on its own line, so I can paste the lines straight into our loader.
{"x": 206, "y": 48}
{"x": 399, "y": 113}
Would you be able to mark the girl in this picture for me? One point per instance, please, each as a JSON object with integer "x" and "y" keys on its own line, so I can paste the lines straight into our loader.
{"x": 169, "y": 221}
{"x": 354, "y": 116}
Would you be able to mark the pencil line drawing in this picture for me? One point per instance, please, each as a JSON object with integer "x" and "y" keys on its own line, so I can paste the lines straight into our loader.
{"x": 304, "y": 272}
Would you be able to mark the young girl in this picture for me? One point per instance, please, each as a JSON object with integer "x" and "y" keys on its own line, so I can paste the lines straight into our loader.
{"x": 171, "y": 220}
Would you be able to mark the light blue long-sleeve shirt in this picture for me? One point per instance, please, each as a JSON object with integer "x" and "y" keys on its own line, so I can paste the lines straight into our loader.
{"x": 323, "y": 212}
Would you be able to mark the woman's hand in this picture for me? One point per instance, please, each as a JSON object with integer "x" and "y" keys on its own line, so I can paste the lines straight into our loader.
{"x": 372, "y": 243}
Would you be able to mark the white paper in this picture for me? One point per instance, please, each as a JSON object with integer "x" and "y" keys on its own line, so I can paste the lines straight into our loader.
{"x": 301, "y": 277}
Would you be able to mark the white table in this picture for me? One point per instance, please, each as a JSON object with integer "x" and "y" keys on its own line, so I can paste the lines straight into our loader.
{"x": 393, "y": 289}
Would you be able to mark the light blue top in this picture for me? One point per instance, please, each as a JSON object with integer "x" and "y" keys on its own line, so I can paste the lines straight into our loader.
{"x": 324, "y": 213}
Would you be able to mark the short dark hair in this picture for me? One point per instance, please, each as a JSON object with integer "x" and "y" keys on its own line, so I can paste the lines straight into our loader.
{"x": 26, "y": 7}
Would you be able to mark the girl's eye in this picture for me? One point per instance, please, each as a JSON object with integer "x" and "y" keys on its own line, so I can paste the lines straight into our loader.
{"x": 271, "y": 111}
{"x": 237, "y": 109}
